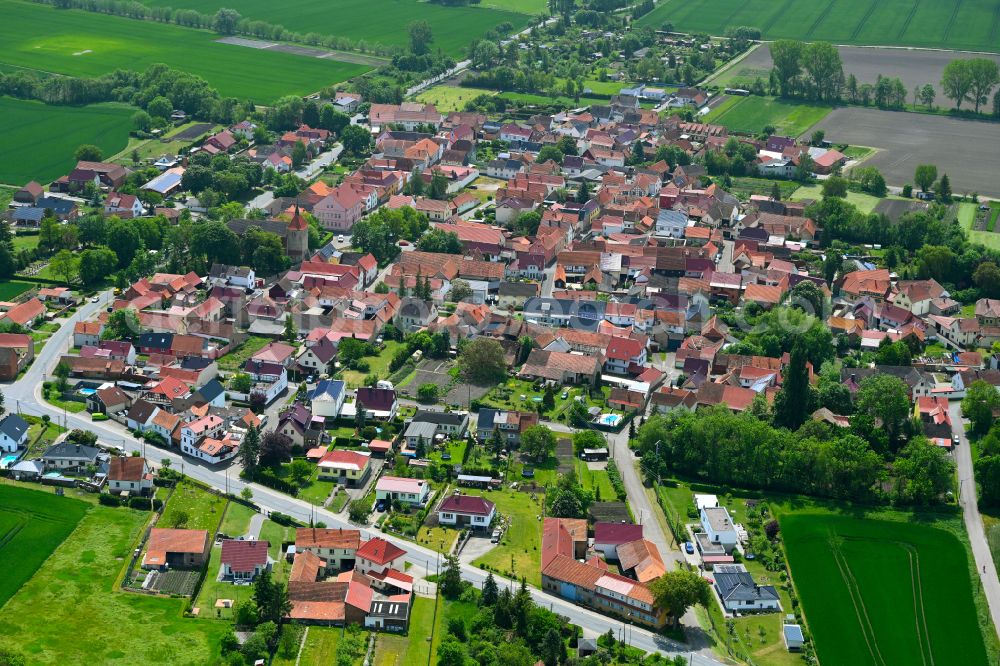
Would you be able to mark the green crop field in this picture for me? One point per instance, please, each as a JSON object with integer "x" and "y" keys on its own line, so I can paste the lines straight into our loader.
{"x": 378, "y": 21}
{"x": 39, "y": 139}
{"x": 752, "y": 114}
{"x": 87, "y": 44}
{"x": 32, "y": 525}
{"x": 945, "y": 24}
{"x": 11, "y": 289}
{"x": 883, "y": 592}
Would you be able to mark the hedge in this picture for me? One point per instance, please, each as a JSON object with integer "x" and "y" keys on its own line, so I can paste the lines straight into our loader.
{"x": 266, "y": 477}
{"x": 144, "y": 503}
{"x": 109, "y": 500}
{"x": 283, "y": 519}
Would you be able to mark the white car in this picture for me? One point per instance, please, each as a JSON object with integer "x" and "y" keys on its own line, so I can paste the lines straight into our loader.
{"x": 340, "y": 238}
{"x": 95, "y": 299}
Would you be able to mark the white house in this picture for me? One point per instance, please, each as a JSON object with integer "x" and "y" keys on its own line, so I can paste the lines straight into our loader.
{"x": 13, "y": 433}
{"x": 671, "y": 224}
{"x": 740, "y": 592}
{"x": 129, "y": 475}
{"x": 209, "y": 425}
{"x": 718, "y": 525}
{"x": 467, "y": 511}
{"x": 328, "y": 398}
{"x": 409, "y": 491}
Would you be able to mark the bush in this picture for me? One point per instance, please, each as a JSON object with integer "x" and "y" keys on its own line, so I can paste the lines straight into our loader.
{"x": 283, "y": 519}
{"x": 266, "y": 477}
{"x": 109, "y": 500}
{"x": 98, "y": 417}
{"x": 143, "y": 503}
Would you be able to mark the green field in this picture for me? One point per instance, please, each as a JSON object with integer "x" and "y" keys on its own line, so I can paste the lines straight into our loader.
{"x": 451, "y": 98}
{"x": 39, "y": 139}
{"x": 32, "y": 525}
{"x": 946, "y": 24}
{"x": 519, "y": 550}
{"x": 88, "y": 44}
{"x": 379, "y": 21}
{"x": 191, "y": 507}
{"x": 10, "y": 289}
{"x": 883, "y": 592}
{"x": 966, "y": 217}
{"x": 752, "y": 114}
{"x": 73, "y": 607}
{"x": 865, "y": 202}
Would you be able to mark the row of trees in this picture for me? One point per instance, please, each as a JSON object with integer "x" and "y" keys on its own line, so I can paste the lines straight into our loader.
{"x": 380, "y": 232}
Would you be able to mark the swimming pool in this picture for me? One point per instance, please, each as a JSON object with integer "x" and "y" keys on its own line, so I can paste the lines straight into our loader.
{"x": 8, "y": 460}
{"x": 87, "y": 391}
{"x": 610, "y": 419}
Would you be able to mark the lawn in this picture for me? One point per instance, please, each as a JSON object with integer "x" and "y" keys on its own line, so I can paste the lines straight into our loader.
{"x": 236, "y": 358}
{"x": 451, "y": 98}
{"x": 82, "y": 43}
{"x": 865, "y": 202}
{"x": 154, "y": 148}
{"x": 41, "y": 436}
{"x": 947, "y": 24}
{"x": 413, "y": 648}
{"x": 518, "y": 551}
{"x": 883, "y": 591}
{"x": 72, "y": 606}
{"x": 546, "y": 100}
{"x": 34, "y": 152}
{"x": 25, "y": 242}
{"x": 11, "y": 289}
{"x": 439, "y": 539}
{"x": 236, "y": 522}
{"x": 752, "y": 114}
{"x": 377, "y": 365}
{"x": 381, "y": 21}
{"x": 32, "y": 525}
{"x": 194, "y": 508}
{"x": 320, "y": 646}
{"x": 313, "y": 490}
{"x": 595, "y": 480}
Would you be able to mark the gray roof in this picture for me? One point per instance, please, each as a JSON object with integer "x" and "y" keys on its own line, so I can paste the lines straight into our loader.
{"x": 396, "y": 610}
{"x": 439, "y": 418}
{"x": 71, "y": 451}
{"x": 421, "y": 429}
{"x": 14, "y": 427}
{"x": 736, "y": 584}
{"x": 718, "y": 518}
{"x": 211, "y": 390}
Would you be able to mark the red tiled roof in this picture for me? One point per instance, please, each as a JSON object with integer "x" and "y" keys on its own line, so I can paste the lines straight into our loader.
{"x": 467, "y": 504}
{"x": 244, "y": 556}
{"x": 380, "y": 551}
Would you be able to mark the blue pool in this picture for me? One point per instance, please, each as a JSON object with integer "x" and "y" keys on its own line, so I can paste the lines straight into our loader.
{"x": 8, "y": 460}
{"x": 610, "y": 420}
{"x": 87, "y": 391}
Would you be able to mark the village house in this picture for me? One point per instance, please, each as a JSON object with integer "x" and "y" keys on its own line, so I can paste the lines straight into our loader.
{"x": 129, "y": 475}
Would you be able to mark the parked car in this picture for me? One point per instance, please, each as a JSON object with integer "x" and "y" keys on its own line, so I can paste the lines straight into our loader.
{"x": 95, "y": 299}
{"x": 380, "y": 505}
{"x": 689, "y": 548}
{"x": 496, "y": 537}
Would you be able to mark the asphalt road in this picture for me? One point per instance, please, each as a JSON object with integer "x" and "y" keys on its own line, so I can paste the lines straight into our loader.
{"x": 985, "y": 566}
{"x": 307, "y": 173}
{"x": 25, "y": 396}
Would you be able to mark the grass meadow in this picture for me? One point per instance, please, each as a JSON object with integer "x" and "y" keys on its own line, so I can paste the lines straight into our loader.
{"x": 883, "y": 592}
{"x": 10, "y": 289}
{"x": 378, "y": 21}
{"x": 73, "y": 607}
{"x": 194, "y": 508}
{"x": 520, "y": 549}
{"x": 752, "y": 114}
{"x": 81, "y": 43}
{"x": 32, "y": 525}
{"x": 34, "y": 150}
{"x": 946, "y": 24}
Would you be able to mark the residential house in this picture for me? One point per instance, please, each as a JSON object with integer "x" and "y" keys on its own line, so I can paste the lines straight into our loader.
{"x": 348, "y": 468}
{"x": 13, "y": 433}
{"x": 243, "y": 560}
{"x": 719, "y": 528}
{"x": 449, "y": 424}
{"x": 129, "y": 475}
{"x": 609, "y": 536}
{"x": 378, "y": 403}
{"x": 17, "y": 350}
{"x": 87, "y": 333}
{"x": 414, "y": 492}
{"x": 561, "y": 368}
{"x": 510, "y": 425}
{"x": 740, "y": 592}
{"x": 327, "y": 398}
{"x": 140, "y": 415}
{"x": 176, "y": 549}
{"x": 67, "y": 456}
{"x": 467, "y": 511}
{"x": 109, "y": 400}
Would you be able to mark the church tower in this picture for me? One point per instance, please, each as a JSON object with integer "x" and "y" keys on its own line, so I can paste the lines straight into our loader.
{"x": 297, "y": 240}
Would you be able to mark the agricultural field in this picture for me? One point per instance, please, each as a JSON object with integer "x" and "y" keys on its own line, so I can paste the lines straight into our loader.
{"x": 451, "y": 98}
{"x": 865, "y": 202}
{"x": 752, "y": 114}
{"x": 947, "y": 24}
{"x": 34, "y": 151}
{"x": 382, "y": 21}
{"x": 72, "y": 605}
{"x": 32, "y": 525}
{"x": 87, "y": 44}
{"x": 885, "y": 592}
{"x": 914, "y": 68}
{"x": 963, "y": 149}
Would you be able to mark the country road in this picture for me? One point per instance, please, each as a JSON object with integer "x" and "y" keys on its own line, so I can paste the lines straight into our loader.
{"x": 25, "y": 396}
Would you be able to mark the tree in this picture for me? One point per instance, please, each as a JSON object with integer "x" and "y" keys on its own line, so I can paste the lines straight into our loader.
{"x": 549, "y": 152}
{"x": 893, "y": 353}
{"x": 440, "y": 241}
{"x": 923, "y": 471}
{"x": 88, "y": 153}
{"x": 421, "y": 37}
{"x": 944, "y": 190}
{"x": 549, "y": 398}
{"x": 275, "y": 448}
{"x": 678, "y": 590}
{"x": 787, "y": 57}
{"x": 121, "y": 325}
{"x": 885, "y": 397}
{"x": 160, "y": 107}
{"x": 451, "y": 653}
{"x": 451, "y": 578}
{"x": 804, "y": 169}
{"x": 834, "y": 186}
{"x": 290, "y": 333}
{"x": 358, "y": 511}
{"x": 62, "y": 373}
{"x": 271, "y": 599}
{"x": 250, "y": 451}
{"x": 924, "y": 176}
{"x": 428, "y": 393}
{"x": 439, "y": 186}
{"x": 460, "y": 291}
{"x": 588, "y": 439}
{"x": 482, "y": 362}
{"x": 357, "y": 141}
{"x": 988, "y": 479}
{"x": 97, "y": 264}
{"x": 583, "y": 192}
{"x": 981, "y": 398}
{"x": 141, "y": 122}
{"x": 826, "y": 72}
{"x": 490, "y": 591}
{"x": 987, "y": 278}
{"x": 538, "y": 442}
{"x": 299, "y": 154}
{"x": 300, "y": 470}
{"x": 553, "y": 649}
{"x": 567, "y": 145}
{"x": 225, "y": 20}
{"x": 66, "y": 265}
{"x": 527, "y": 223}
{"x": 809, "y": 298}
{"x": 794, "y": 402}
{"x": 984, "y": 75}
{"x": 957, "y": 81}
{"x": 927, "y": 95}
